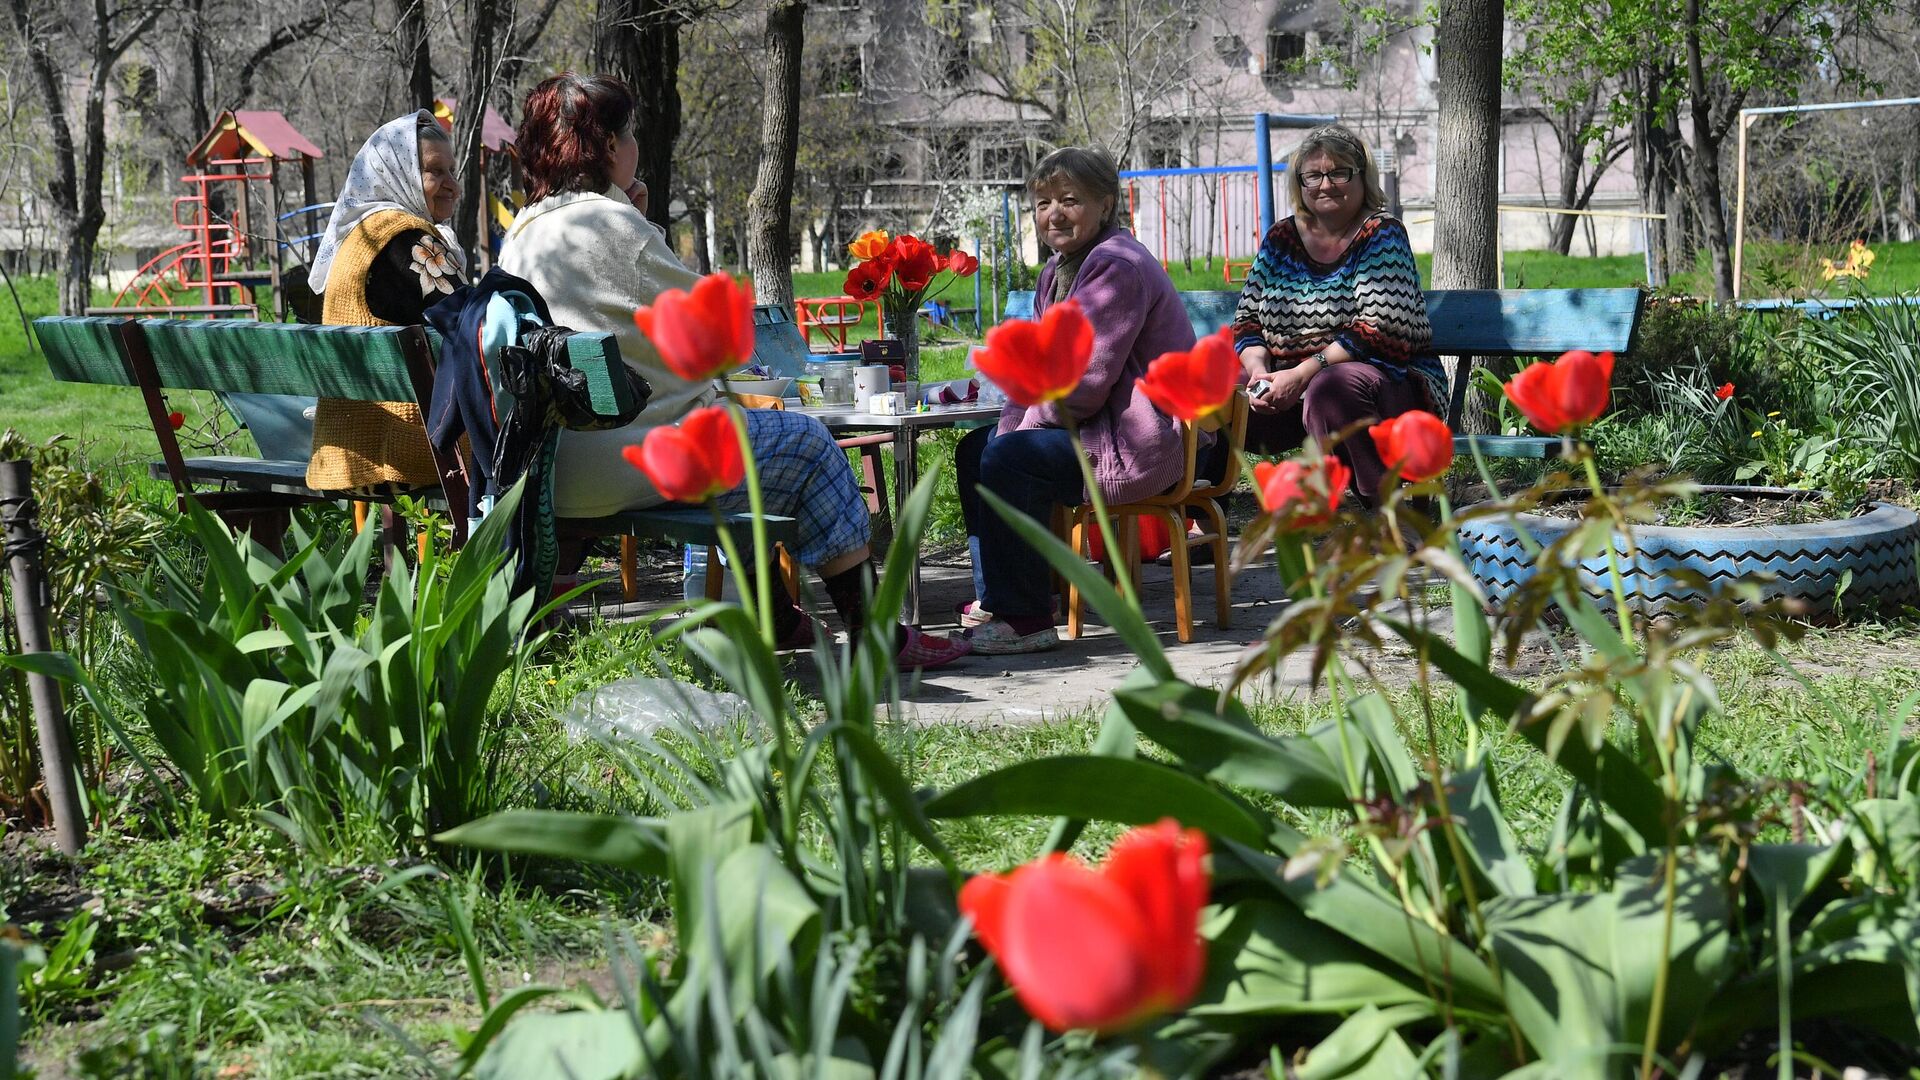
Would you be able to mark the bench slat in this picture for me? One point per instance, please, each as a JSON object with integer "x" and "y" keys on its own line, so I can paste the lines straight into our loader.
{"x": 83, "y": 349}
{"x": 361, "y": 363}
{"x": 1533, "y": 322}
{"x": 1475, "y": 322}
{"x": 680, "y": 525}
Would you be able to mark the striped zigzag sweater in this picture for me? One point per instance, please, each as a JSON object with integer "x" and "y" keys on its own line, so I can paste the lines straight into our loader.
{"x": 1368, "y": 300}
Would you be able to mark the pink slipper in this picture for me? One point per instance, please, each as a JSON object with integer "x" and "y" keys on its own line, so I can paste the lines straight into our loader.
{"x": 926, "y": 651}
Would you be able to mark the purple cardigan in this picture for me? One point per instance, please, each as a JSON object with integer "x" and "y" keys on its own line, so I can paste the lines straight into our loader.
{"x": 1136, "y": 315}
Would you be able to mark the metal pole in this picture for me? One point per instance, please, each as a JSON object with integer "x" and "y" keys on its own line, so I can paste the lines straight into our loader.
{"x": 57, "y": 756}
{"x": 1740, "y": 203}
{"x": 1263, "y": 157}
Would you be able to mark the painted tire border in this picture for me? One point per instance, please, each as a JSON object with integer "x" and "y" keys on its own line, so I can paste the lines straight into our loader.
{"x": 1808, "y": 560}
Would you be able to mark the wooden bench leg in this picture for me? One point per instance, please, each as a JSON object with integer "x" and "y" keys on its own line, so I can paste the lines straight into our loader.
{"x": 789, "y": 572}
{"x": 390, "y": 542}
{"x": 1182, "y": 574}
{"x": 1222, "y": 570}
{"x": 876, "y": 483}
{"x": 716, "y": 576}
{"x": 629, "y": 568}
{"x": 1081, "y": 548}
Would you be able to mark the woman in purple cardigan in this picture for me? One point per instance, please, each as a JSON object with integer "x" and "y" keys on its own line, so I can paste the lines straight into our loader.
{"x": 1028, "y": 459}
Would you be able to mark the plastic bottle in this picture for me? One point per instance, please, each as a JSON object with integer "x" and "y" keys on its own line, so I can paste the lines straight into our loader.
{"x": 693, "y": 583}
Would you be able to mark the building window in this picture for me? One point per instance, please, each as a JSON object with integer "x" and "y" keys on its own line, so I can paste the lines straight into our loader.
{"x": 839, "y": 71}
{"x": 1232, "y": 51}
{"x": 948, "y": 155}
{"x": 1283, "y": 48}
{"x": 1005, "y": 162}
{"x": 1333, "y": 50}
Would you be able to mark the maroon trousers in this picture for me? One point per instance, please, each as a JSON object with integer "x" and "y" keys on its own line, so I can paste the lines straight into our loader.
{"x": 1338, "y": 396}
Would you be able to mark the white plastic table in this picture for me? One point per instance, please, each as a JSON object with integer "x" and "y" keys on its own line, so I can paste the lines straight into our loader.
{"x": 906, "y": 428}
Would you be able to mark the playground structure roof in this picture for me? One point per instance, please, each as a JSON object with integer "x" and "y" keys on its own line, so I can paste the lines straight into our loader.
{"x": 252, "y": 133}
{"x": 496, "y": 135}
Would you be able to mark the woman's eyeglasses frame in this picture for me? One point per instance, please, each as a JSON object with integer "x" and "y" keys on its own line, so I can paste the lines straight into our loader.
{"x": 1336, "y": 177}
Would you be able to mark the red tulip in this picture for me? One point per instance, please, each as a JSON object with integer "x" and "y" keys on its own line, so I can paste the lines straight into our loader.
{"x": 1417, "y": 443}
{"x": 1037, "y": 362}
{"x": 1105, "y": 949}
{"x": 1567, "y": 394}
{"x": 914, "y": 262}
{"x": 1305, "y": 493}
{"x": 1190, "y": 385}
{"x": 865, "y": 281}
{"x": 1725, "y": 391}
{"x": 177, "y": 420}
{"x": 702, "y": 333}
{"x": 693, "y": 462}
{"x": 962, "y": 264}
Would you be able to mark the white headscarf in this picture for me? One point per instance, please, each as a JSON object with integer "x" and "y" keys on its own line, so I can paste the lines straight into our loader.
{"x": 385, "y": 175}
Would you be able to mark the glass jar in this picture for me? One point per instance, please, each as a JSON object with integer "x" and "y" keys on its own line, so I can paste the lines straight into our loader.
{"x": 836, "y": 380}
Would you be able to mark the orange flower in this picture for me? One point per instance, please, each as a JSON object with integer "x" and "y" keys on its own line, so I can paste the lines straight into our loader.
{"x": 1105, "y": 949}
{"x": 962, "y": 264}
{"x": 693, "y": 462}
{"x": 1304, "y": 494}
{"x": 1037, "y": 362}
{"x": 914, "y": 262}
{"x": 869, "y": 246}
{"x": 1567, "y": 394}
{"x": 702, "y": 333}
{"x": 1417, "y": 443}
{"x": 1725, "y": 391}
{"x": 1190, "y": 385}
{"x": 864, "y": 282}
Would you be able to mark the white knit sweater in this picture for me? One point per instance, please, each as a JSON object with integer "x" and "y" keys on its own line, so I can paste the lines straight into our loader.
{"x": 595, "y": 259}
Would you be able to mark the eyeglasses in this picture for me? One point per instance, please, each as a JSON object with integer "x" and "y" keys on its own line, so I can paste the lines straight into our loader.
{"x": 1335, "y": 176}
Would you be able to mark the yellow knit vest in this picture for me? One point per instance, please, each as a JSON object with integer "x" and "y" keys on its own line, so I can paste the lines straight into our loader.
{"x": 359, "y": 444}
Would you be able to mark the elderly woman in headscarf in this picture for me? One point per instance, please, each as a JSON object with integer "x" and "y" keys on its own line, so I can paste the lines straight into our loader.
{"x": 385, "y": 259}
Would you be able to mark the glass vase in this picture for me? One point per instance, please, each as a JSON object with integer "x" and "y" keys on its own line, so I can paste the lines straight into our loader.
{"x": 903, "y": 325}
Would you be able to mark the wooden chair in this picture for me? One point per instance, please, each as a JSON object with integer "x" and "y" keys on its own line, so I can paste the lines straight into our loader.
{"x": 1171, "y": 506}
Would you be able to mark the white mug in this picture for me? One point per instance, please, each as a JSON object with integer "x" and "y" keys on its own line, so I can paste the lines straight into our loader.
{"x": 868, "y": 381}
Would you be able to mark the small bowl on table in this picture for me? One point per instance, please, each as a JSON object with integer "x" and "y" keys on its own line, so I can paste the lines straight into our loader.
{"x": 773, "y": 388}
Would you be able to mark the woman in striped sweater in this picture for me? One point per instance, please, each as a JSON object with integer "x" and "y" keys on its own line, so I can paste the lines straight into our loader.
{"x": 1332, "y": 327}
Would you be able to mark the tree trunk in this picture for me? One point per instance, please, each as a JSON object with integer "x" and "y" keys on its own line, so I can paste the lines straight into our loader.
{"x": 770, "y": 207}
{"x": 698, "y": 215}
{"x": 416, "y": 52}
{"x": 1707, "y": 201}
{"x": 77, "y": 170}
{"x": 1467, "y": 156}
{"x": 639, "y": 42}
{"x": 198, "y": 107}
{"x": 469, "y": 121}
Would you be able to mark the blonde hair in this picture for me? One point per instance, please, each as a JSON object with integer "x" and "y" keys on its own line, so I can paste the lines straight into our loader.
{"x": 1348, "y": 151}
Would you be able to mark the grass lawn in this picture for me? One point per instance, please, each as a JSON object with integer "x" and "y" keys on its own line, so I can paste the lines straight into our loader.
{"x": 224, "y": 948}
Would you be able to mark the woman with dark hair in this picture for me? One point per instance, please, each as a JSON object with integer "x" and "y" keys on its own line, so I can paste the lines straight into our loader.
{"x": 385, "y": 259}
{"x": 1332, "y": 326}
{"x": 585, "y": 244}
{"x": 1028, "y": 459}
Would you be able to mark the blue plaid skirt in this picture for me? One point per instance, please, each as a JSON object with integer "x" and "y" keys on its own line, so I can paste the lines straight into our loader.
{"x": 804, "y": 476}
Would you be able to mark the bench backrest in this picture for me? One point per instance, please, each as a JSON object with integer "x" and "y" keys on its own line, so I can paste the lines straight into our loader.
{"x": 778, "y": 346}
{"x": 1472, "y": 322}
{"x": 360, "y": 363}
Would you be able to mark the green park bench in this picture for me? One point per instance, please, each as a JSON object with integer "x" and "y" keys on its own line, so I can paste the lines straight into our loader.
{"x": 373, "y": 363}
{"x": 1477, "y": 322}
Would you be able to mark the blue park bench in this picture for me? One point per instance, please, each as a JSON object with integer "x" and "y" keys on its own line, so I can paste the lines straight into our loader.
{"x": 1477, "y": 322}
{"x": 292, "y": 364}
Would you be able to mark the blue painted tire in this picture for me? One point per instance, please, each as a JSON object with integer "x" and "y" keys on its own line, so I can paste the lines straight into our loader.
{"x": 1807, "y": 561}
